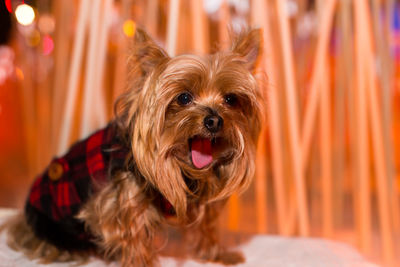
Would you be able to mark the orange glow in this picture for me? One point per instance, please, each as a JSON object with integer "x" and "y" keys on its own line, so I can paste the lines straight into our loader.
{"x": 129, "y": 28}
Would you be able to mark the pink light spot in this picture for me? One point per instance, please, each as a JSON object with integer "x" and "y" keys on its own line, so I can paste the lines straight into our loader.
{"x": 48, "y": 45}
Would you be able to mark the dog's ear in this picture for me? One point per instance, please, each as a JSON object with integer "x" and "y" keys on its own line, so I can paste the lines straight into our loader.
{"x": 146, "y": 53}
{"x": 248, "y": 44}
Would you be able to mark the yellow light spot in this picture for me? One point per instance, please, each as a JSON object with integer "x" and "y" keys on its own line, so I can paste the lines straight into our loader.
{"x": 129, "y": 28}
{"x": 25, "y": 14}
{"x": 34, "y": 38}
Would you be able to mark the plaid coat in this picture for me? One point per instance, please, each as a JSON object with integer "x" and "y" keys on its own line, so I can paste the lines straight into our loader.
{"x": 59, "y": 193}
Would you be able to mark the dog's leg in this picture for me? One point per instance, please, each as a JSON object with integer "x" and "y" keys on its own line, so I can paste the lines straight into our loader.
{"x": 207, "y": 242}
{"x": 124, "y": 223}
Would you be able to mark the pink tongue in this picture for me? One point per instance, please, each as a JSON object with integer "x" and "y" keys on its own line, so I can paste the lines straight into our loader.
{"x": 201, "y": 152}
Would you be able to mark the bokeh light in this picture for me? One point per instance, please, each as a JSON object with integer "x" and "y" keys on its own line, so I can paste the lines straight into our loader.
{"x": 46, "y": 24}
{"x": 25, "y": 14}
{"x": 129, "y": 28}
{"x": 33, "y": 39}
{"x": 48, "y": 45}
{"x": 8, "y": 5}
{"x": 19, "y": 73}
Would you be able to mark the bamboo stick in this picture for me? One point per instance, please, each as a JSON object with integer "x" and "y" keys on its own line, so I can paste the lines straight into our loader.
{"x": 377, "y": 138}
{"x": 223, "y": 24}
{"x": 324, "y": 32}
{"x": 172, "y": 26}
{"x": 342, "y": 80}
{"x": 362, "y": 142}
{"x": 295, "y": 145}
{"x": 89, "y": 91}
{"x": 151, "y": 20}
{"x": 326, "y": 151}
{"x": 261, "y": 183}
{"x": 233, "y": 213}
{"x": 386, "y": 83}
{"x": 74, "y": 73}
{"x": 260, "y": 18}
{"x": 122, "y": 51}
{"x": 380, "y": 170}
{"x": 105, "y": 24}
{"x": 199, "y": 27}
{"x": 61, "y": 61}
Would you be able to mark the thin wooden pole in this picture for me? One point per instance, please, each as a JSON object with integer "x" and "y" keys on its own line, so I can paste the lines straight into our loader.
{"x": 172, "y": 26}
{"x": 224, "y": 20}
{"x": 199, "y": 27}
{"x": 74, "y": 72}
{"x": 381, "y": 32}
{"x": 89, "y": 91}
{"x": 233, "y": 212}
{"x": 324, "y": 33}
{"x": 261, "y": 183}
{"x": 364, "y": 203}
{"x": 343, "y": 68}
{"x": 62, "y": 9}
{"x": 105, "y": 23}
{"x": 260, "y": 18}
{"x": 377, "y": 137}
{"x": 295, "y": 145}
{"x": 120, "y": 77}
{"x": 326, "y": 151}
{"x": 151, "y": 19}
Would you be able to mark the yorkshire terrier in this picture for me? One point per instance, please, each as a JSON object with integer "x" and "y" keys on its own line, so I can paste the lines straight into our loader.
{"x": 183, "y": 140}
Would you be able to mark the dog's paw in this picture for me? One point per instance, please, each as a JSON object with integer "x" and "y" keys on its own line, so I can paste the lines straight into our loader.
{"x": 230, "y": 257}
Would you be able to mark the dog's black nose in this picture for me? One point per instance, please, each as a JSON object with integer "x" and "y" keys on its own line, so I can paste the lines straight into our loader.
{"x": 213, "y": 123}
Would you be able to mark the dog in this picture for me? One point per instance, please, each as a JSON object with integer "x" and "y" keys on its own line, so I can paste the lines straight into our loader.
{"x": 183, "y": 140}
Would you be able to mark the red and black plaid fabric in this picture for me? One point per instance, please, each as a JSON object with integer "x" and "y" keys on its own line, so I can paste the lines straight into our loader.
{"x": 60, "y": 192}
{"x": 88, "y": 163}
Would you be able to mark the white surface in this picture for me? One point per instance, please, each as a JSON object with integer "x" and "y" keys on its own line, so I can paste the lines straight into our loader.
{"x": 260, "y": 251}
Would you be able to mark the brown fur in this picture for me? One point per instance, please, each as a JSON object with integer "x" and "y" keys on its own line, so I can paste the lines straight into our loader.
{"x": 121, "y": 215}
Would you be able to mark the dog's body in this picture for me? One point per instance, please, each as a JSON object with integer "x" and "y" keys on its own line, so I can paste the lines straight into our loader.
{"x": 183, "y": 141}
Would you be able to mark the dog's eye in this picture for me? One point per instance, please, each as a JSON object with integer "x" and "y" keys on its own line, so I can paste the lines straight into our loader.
{"x": 231, "y": 100}
{"x": 185, "y": 99}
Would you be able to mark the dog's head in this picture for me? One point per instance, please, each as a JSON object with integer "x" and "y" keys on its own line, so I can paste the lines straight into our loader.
{"x": 193, "y": 121}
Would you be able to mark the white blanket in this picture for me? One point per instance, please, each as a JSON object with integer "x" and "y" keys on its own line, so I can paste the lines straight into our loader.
{"x": 259, "y": 251}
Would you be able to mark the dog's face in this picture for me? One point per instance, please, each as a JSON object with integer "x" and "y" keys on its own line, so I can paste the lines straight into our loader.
{"x": 194, "y": 121}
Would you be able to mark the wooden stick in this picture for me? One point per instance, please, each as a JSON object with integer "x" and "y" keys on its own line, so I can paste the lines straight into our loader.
{"x": 326, "y": 151}
{"x": 260, "y": 18}
{"x": 362, "y": 141}
{"x": 324, "y": 33}
{"x": 172, "y": 26}
{"x": 377, "y": 138}
{"x": 200, "y": 40}
{"x": 342, "y": 80}
{"x": 295, "y": 145}
{"x": 382, "y": 37}
{"x": 120, "y": 69}
{"x": 61, "y": 59}
{"x": 105, "y": 23}
{"x": 223, "y": 24}
{"x": 74, "y": 73}
{"x": 151, "y": 19}
{"x": 261, "y": 183}
{"x": 89, "y": 91}
{"x": 233, "y": 212}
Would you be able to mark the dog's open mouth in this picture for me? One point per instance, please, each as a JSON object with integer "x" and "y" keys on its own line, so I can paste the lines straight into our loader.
{"x": 201, "y": 151}
{"x": 207, "y": 150}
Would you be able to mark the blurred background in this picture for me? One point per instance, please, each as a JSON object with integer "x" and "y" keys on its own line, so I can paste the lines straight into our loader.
{"x": 328, "y": 158}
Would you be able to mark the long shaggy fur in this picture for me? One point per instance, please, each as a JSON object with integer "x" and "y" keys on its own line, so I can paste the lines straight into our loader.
{"x": 121, "y": 216}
